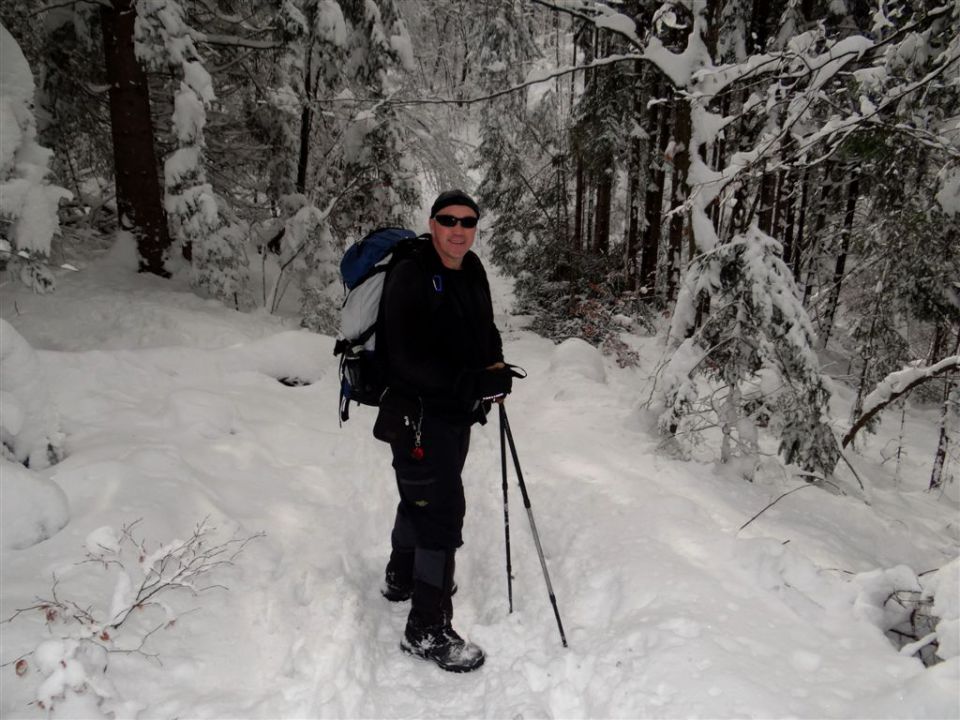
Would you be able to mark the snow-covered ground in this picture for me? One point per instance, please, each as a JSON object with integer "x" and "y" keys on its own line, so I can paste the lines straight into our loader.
{"x": 172, "y": 413}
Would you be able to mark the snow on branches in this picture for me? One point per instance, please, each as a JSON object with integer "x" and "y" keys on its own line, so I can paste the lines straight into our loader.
{"x": 754, "y": 337}
{"x": 216, "y": 247}
{"x": 27, "y": 198}
{"x": 796, "y": 100}
{"x": 896, "y": 385}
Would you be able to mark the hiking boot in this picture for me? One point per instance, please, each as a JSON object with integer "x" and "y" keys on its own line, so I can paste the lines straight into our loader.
{"x": 398, "y": 577}
{"x": 396, "y": 590}
{"x": 441, "y": 644}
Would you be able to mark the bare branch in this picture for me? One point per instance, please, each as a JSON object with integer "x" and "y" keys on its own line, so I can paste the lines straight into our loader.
{"x": 65, "y": 3}
{"x": 770, "y": 505}
{"x": 609, "y": 60}
{"x": 237, "y": 41}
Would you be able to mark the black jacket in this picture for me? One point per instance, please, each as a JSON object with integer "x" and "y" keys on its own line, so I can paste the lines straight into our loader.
{"x": 437, "y": 332}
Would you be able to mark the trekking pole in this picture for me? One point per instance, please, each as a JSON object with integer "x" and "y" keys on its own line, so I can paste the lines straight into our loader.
{"x": 505, "y": 425}
{"x": 506, "y": 512}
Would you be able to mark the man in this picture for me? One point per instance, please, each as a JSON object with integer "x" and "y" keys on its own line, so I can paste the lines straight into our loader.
{"x": 444, "y": 357}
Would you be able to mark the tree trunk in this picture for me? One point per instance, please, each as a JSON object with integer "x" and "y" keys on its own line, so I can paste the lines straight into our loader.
{"x": 789, "y": 249}
{"x": 868, "y": 352}
{"x": 759, "y": 27}
{"x": 768, "y": 189}
{"x": 681, "y": 167}
{"x": 940, "y": 332}
{"x": 635, "y": 176}
{"x": 306, "y": 115}
{"x": 658, "y": 120}
{"x": 940, "y": 457}
{"x": 588, "y": 224}
{"x": 799, "y": 250}
{"x": 139, "y": 198}
{"x": 578, "y": 207}
{"x": 601, "y": 219}
{"x": 819, "y": 224}
{"x": 853, "y": 190}
{"x": 306, "y": 123}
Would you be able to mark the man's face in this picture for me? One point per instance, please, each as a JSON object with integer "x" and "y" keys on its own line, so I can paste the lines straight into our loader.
{"x": 452, "y": 243}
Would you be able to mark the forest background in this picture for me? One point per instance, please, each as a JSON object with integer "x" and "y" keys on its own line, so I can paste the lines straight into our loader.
{"x": 773, "y": 180}
{"x": 759, "y": 200}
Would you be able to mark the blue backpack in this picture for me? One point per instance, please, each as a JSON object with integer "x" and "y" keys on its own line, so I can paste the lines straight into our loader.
{"x": 364, "y": 270}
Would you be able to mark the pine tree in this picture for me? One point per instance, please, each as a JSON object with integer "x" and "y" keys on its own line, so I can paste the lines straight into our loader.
{"x": 214, "y": 246}
{"x": 28, "y": 200}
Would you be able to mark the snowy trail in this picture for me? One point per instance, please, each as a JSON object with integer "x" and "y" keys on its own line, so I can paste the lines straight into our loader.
{"x": 670, "y": 612}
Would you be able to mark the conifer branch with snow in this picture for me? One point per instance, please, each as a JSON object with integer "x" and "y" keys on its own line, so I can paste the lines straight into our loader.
{"x": 215, "y": 246}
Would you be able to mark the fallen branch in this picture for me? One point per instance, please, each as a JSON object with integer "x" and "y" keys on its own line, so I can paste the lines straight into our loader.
{"x": 887, "y": 385}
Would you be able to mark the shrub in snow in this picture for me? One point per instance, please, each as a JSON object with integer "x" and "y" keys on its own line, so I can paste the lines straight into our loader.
{"x": 28, "y": 202}
{"x": 307, "y": 253}
{"x": 73, "y": 660}
{"x": 32, "y": 508}
{"x": 572, "y": 295}
{"x": 29, "y": 425}
{"x": 921, "y": 615}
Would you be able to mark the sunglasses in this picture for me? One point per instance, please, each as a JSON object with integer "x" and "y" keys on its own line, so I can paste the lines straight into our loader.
{"x": 452, "y": 220}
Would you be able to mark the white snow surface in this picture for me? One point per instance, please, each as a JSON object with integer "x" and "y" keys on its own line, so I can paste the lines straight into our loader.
{"x": 173, "y": 413}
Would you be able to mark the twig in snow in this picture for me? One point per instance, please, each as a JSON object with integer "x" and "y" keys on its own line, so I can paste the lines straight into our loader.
{"x": 788, "y": 492}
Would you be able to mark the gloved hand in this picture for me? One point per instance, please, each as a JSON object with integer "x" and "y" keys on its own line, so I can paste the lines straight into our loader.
{"x": 493, "y": 382}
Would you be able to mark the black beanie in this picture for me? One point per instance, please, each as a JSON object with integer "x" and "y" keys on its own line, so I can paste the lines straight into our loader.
{"x": 453, "y": 197}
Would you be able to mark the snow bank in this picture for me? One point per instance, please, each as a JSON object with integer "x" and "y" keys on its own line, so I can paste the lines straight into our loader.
{"x": 29, "y": 426}
{"x": 875, "y": 588}
{"x": 669, "y": 612}
{"x": 32, "y": 508}
{"x": 578, "y": 357}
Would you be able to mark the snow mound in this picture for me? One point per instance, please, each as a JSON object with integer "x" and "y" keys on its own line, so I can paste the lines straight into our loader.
{"x": 295, "y": 354}
{"x": 29, "y": 426}
{"x": 944, "y": 588}
{"x": 122, "y": 255}
{"x": 875, "y": 589}
{"x": 202, "y": 413}
{"x": 578, "y": 357}
{"x": 32, "y": 508}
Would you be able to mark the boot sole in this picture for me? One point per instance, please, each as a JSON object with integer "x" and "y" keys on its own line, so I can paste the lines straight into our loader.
{"x": 396, "y": 596}
{"x": 410, "y": 650}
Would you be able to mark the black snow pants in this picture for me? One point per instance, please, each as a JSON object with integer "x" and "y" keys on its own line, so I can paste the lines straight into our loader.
{"x": 429, "y": 520}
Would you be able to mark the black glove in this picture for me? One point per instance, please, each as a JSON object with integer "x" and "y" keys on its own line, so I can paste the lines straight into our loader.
{"x": 491, "y": 383}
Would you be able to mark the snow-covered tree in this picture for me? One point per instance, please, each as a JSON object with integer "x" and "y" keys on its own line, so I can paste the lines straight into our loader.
{"x": 215, "y": 246}
{"x": 756, "y": 342}
{"x": 28, "y": 200}
{"x": 29, "y": 423}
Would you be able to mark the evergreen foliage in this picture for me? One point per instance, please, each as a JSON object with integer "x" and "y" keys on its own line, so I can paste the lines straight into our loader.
{"x": 734, "y": 165}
